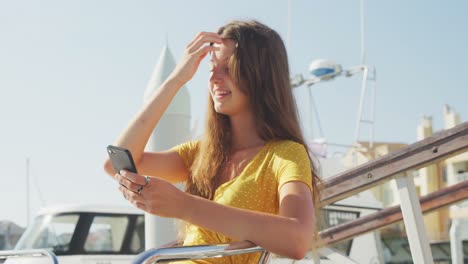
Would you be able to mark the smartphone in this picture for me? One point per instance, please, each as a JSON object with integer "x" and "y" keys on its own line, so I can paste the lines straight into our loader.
{"x": 121, "y": 159}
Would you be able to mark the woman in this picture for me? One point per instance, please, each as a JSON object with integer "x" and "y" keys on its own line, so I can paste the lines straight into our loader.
{"x": 250, "y": 176}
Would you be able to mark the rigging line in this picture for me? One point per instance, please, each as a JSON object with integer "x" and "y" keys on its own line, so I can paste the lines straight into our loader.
{"x": 27, "y": 192}
{"x": 41, "y": 199}
{"x": 36, "y": 186}
{"x": 288, "y": 40}
{"x": 362, "y": 33}
{"x": 313, "y": 105}
{"x": 340, "y": 145}
{"x": 39, "y": 193}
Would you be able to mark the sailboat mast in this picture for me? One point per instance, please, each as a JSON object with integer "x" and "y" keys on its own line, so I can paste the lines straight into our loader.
{"x": 288, "y": 40}
{"x": 362, "y": 33}
{"x": 27, "y": 192}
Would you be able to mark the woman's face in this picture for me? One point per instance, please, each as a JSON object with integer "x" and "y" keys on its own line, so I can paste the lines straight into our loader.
{"x": 228, "y": 99}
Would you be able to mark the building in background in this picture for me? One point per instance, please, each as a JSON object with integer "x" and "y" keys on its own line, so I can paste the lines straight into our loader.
{"x": 439, "y": 224}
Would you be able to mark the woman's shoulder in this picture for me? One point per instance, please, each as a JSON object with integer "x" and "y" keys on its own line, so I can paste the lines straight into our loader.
{"x": 289, "y": 157}
{"x": 287, "y": 147}
{"x": 285, "y": 144}
{"x": 193, "y": 143}
{"x": 188, "y": 146}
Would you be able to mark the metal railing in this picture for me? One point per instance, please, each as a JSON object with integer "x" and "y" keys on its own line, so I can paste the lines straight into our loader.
{"x": 440, "y": 146}
{"x": 164, "y": 255}
{"x": 431, "y": 202}
{"x": 36, "y": 253}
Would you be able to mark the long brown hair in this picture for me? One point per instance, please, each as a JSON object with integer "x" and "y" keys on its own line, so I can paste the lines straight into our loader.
{"x": 260, "y": 68}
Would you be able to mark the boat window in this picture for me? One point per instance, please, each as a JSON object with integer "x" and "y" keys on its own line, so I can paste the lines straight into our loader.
{"x": 137, "y": 244}
{"x": 465, "y": 247}
{"x": 53, "y": 232}
{"x": 106, "y": 233}
{"x": 58, "y": 233}
{"x": 2, "y": 242}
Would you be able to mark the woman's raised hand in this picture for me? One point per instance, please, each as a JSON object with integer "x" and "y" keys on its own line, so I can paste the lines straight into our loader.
{"x": 194, "y": 53}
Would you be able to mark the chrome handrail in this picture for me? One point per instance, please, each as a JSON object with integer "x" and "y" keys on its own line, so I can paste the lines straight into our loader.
{"x": 163, "y": 255}
{"x": 6, "y": 254}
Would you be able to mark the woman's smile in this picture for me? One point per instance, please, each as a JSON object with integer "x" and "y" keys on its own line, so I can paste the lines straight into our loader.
{"x": 221, "y": 94}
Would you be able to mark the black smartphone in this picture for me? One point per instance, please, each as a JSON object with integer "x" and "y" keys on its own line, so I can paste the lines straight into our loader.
{"x": 121, "y": 159}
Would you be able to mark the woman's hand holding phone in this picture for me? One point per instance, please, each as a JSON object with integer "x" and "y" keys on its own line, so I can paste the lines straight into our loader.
{"x": 154, "y": 196}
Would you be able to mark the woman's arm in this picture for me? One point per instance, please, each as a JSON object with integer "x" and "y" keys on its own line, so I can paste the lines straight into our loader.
{"x": 137, "y": 133}
{"x": 288, "y": 234}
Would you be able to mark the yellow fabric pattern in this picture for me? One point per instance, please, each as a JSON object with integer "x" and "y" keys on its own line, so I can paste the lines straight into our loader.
{"x": 255, "y": 188}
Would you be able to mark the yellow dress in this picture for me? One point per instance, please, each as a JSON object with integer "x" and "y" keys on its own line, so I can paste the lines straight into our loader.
{"x": 256, "y": 188}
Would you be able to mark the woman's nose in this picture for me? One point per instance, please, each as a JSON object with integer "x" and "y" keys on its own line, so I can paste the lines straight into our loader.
{"x": 216, "y": 76}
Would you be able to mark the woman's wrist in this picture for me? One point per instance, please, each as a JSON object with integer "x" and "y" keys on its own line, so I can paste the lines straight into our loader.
{"x": 187, "y": 207}
{"x": 175, "y": 81}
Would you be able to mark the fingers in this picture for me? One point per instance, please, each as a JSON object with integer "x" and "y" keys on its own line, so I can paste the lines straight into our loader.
{"x": 203, "y": 41}
{"x": 129, "y": 185}
{"x": 202, "y": 38}
{"x": 133, "y": 177}
{"x": 200, "y": 47}
{"x": 141, "y": 206}
{"x": 201, "y": 54}
{"x": 131, "y": 196}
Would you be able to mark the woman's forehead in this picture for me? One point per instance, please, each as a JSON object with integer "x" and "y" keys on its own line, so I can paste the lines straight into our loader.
{"x": 226, "y": 50}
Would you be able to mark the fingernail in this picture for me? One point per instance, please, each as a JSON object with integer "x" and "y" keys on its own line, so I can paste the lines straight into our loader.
{"x": 122, "y": 172}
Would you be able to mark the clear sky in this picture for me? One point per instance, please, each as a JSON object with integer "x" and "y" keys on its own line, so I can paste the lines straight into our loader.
{"x": 73, "y": 73}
